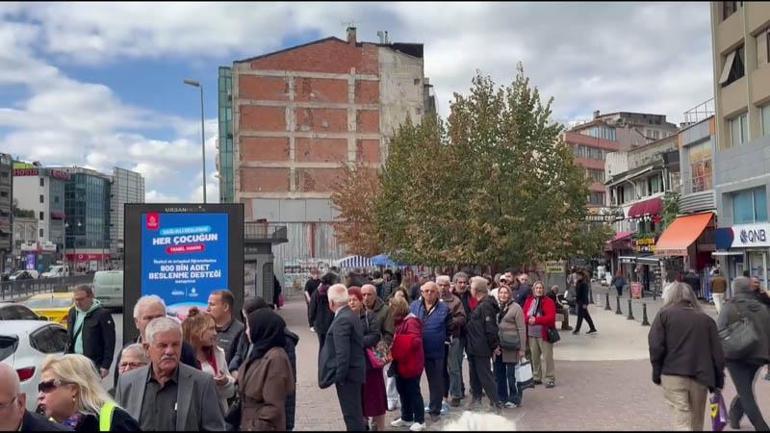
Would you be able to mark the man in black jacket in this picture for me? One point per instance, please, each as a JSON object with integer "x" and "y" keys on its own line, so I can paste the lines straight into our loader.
{"x": 91, "y": 330}
{"x": 15, "y": 415}
{"x": 481, "y": 342}
{"x": 342, "y": 360}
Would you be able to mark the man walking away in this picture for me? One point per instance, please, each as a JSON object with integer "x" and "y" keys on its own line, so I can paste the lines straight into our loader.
{"x": 310, "y": 287}
{"x": 436, "y": 319}
{"x": 342, "y": 361}
{"x": 91, "y": 330}
{"x": 718, "y": 289}
{"x": 694, "y": 281}
{"x": 229, "y": 329}
{"x": 482, "y": 340}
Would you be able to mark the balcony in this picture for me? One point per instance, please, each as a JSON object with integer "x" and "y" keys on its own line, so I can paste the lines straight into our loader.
{"x": 697, "y": 196}
{"x": 265, "y": 232}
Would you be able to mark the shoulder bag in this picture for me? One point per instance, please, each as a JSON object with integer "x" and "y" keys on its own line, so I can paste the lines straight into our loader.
{"x": 739, "y": 337}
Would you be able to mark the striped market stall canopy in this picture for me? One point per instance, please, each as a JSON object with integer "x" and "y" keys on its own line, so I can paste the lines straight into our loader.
{"x": 351, "y": 262}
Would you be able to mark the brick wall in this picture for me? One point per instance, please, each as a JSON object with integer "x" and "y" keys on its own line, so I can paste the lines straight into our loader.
{"x": 255, "y": 118}
{"x": 321, "y": 150}
{"x": 321, "y": 120}
{"x": 368, "y": 150}
{"x": 367, "y": 92}
{"x": 331, "y": 56}
{"x": 320, "y": 90}
{"x": 264, "y": 179}
{"x": 263, "y": 88}
{"x": 264, "y": 149}
{"x": 368, "y": 121}
{"x": 317, "y": 179}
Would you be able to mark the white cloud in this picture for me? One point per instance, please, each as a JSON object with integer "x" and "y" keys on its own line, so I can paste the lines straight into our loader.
{"x": 652, "y": 57}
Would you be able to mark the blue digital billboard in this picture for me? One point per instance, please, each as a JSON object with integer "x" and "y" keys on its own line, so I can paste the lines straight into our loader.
{"x": 184, "y": 257}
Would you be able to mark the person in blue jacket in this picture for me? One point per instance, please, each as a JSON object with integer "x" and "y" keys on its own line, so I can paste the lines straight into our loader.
{"x": 436, "y": 320}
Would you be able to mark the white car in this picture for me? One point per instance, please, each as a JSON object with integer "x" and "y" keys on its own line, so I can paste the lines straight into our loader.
{"x": 108, "y": 288}
{"x": 57, "y": 271}
{"x": 24, "y": 344}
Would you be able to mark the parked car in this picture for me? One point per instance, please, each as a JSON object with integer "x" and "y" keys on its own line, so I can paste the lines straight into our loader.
{"x": 14, "y": 311}
{"x": 24, "y": 274}
{"x": 57, "y": 271}
{"x": 54, "y": 306}
{"x": 24, "y": 344}
{"x": 108, "y": 288}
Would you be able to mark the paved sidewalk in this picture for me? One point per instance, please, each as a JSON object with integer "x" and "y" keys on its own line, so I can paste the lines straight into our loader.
{"x": 603, "y": 382}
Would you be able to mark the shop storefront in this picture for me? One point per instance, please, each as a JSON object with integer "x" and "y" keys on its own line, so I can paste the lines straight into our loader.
{"x": 688, "y": 243}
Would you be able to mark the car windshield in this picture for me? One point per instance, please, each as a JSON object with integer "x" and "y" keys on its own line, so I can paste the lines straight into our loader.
{"x": 48, "y": 303}
{"x": 8, "y": 345}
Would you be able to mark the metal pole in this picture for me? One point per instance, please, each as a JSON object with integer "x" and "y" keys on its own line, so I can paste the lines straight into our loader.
{"x": 645, "y": 322}
{"x": 617, "y": 310}
{"x": 607, "y": 304}
{"x": 630, "y": 311}
{"x": 203, "y": 146}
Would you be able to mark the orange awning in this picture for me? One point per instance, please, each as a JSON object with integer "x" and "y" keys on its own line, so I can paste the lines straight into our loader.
{"x": 681, "y": 234}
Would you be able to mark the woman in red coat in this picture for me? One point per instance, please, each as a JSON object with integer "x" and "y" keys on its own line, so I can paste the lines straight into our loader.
{"x": 540, "y": 314}
{"x": 408, "y": 362}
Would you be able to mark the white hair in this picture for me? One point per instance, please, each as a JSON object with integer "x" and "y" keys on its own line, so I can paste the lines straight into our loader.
{"x": 480, "y": 284}
{"x": 147, "y": 300}
{"x": 338, "y": 294}
{"x": 475, "y": 421}
{"x": 137, "y": 350}
{"x": 159, "y": 325}
{"x": 443, "y": 278}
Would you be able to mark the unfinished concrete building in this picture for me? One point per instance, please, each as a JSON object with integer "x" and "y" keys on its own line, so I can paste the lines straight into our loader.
{"x": 298, "y": 115}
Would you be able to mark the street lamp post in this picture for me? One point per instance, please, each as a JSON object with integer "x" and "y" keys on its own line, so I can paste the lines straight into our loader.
{"x": 203, "y": 135}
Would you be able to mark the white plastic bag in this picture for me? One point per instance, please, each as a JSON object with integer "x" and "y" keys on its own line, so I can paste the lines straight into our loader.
{"x": 524, "y": 375}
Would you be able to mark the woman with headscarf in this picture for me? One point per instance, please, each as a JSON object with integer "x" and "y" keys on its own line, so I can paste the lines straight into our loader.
{"x": 266, "y": 378}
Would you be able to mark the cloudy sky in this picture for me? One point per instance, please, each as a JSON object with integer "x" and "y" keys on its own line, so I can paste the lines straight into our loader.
{"x": 100, "y": 85}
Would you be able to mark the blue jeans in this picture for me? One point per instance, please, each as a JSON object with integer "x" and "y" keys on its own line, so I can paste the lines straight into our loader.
{"x": 455, "y": 368}
{"x": 505, "y": 375}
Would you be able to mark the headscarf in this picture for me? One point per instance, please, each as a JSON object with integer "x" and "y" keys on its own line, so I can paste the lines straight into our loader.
{"x": 266, "y": 330}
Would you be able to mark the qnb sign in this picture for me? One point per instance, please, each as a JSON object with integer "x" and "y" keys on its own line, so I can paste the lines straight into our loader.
{"x": 751, "y": 235}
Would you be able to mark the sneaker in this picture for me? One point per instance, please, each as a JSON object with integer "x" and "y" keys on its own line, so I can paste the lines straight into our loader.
{"x": 510, "y": 405}
{"x": 400, "y": 423}
{"x": 550, "y": 384}
{"x": 444, "y": 408}
{"x": 417, "y": 427}
{"x": 312, "y": 329}
{"x": 455, "y": 402}
{"x": 537, "y": 382}
{"x": 593, "y": 331}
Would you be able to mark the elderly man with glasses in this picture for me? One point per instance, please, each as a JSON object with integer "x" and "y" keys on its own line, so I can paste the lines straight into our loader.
{"x": 14, "y": 415}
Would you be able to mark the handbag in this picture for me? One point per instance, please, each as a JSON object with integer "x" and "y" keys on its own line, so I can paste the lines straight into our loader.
{"x": 523, "y": 373}
{"x": 553, "y": 335}
{"x": 378, "y": 355}
{"x": 739, "y": 337}
{"x": 509, "y": 341}
{"x": 718, "y": 411}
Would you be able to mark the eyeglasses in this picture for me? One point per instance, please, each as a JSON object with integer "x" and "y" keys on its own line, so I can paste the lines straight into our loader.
{"x": 132, "y": 364}
{"x": 5, "y": 406}
{"x": 50, "y": 385}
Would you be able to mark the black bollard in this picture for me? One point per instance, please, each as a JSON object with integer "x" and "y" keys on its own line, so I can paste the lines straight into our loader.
{"x": 630, "y": 311}
{"x": 645, "y": 322}
{"x": 617, "y": 310}
{"x": 607, "y": 305}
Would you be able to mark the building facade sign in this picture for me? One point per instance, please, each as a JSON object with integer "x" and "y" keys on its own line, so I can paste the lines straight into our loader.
{"x": 645, "y": 245}
{"x": 751, "y": 235}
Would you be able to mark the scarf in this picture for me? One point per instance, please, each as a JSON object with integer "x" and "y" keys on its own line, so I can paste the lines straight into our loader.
{"x": 266, "y": 330}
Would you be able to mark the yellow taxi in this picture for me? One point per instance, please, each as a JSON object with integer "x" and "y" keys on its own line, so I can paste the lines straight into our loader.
{"x": 54, "y": 306}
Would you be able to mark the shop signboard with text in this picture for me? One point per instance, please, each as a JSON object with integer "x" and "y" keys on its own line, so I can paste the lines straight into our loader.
{"x": 183, "y": 253}
{"x": 751, "y": 235}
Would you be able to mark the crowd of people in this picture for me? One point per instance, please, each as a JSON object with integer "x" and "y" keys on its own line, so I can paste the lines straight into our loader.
{"x": 377, "y": 336}
{"x": 208, "y": 372}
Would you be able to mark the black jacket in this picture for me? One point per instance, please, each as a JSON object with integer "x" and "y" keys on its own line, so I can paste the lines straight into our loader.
{"x": 227, "y": 338}
{"x": 292, "y": 340}
{"x": 685, "y": 342}
{"x": 581, "y": 293}
{"x": 481, "y": 328}
{"x": 693, "y": 281}
{"x": 524, "y": 292}
{"x": 748, "y": 305}
{"x": 342, "y": 358}
{"x": 320, "y": 315}
{"x": 121, "y": 421}
{"x": 34, "y": 422}
{"x": 98, "y": 333}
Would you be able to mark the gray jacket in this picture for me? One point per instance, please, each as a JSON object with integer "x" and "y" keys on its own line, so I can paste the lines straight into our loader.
{"x": 748, "y": 305}
{"x": 342, "y": 358}
{"x": 197, "y": 400}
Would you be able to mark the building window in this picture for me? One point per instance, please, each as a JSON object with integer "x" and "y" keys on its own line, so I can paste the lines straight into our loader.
{"x": 739, "y": 130}
{"x": 42, "y": 216}
{"x": 700, "y": 167}
{"x": 654, "y": 185}
{"x": 729, "y": 8}
{"x": 733, "y": 67}
{"x": 596, "y": 198}
{"x": 42, "y": 182}
{"x": 750, "y": 206}
{"x": 765, "y": 112}
{"x": 42, "y": 198}
{"x": 42, "y": 234}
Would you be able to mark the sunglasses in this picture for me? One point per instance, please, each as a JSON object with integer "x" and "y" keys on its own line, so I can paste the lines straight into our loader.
{"x": 50, "y": 385}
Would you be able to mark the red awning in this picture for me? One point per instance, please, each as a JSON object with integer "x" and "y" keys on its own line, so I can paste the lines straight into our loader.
{"x": 621, "y": 236}
{"x": 652, "y": 206}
